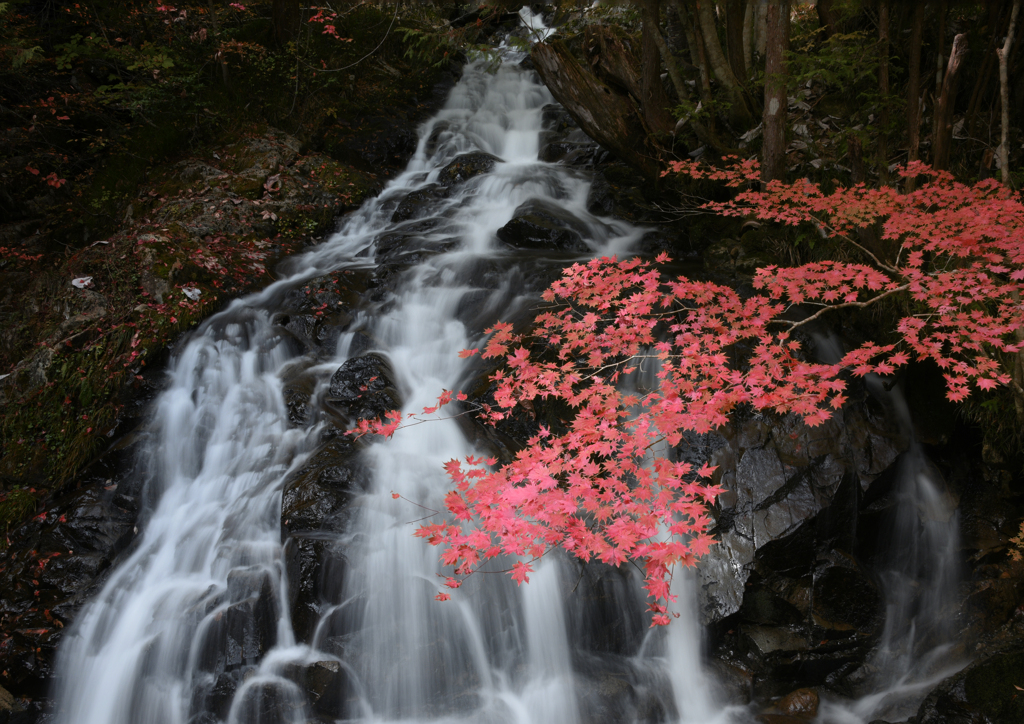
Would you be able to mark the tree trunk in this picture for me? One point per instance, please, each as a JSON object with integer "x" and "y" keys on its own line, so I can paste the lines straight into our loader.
{"x": 883, "y": 90}
{"x": 705, "y": 136}
{"x": 997, "y": 24}
{"x": 697, "y": 55}
{"x": 773, "y": 161}
{"x": 734, "y": 36}
{"x": 914, "y": 90}
{"x": 939, "y": 58}
{"x": 1004, "y": 96}
{"x": 947, "y": 99}
{"x": 286, "y": 16}
{"x": 716, "y": 58}
{"x": 654, "y": 101}
{"x": 826, "y": 19}
{"x": 608, "y": 116}
{"x": 748, "y": 35}
{"x": 760, "y": 27}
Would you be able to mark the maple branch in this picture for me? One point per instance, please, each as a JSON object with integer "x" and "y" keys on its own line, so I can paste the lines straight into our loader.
{"x": 883, "y": 295}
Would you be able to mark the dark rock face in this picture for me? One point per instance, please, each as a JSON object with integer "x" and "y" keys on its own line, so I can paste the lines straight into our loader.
{"x": 983, "y": 692}
{"x": 326, "y": 684}
{"x": 541, "y": 225}
{"x": 466, "y": 166}
{"x": 787, "y": 582}
{"x": 246, "y": 629}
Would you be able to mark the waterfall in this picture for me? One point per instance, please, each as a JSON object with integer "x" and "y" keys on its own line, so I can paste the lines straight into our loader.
{"x": 919, "y": 584}
{"x": 159, "y": 643}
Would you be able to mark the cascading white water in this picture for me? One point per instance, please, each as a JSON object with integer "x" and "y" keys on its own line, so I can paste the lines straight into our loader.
{"x": 208, "y": 568}
{"x": 919, "y": 585}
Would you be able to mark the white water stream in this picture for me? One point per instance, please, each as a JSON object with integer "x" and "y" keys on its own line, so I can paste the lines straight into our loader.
{"x": 208, "y": 568}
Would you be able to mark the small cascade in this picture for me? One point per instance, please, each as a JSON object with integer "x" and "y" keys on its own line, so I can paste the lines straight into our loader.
{"x": 919, "y": 583}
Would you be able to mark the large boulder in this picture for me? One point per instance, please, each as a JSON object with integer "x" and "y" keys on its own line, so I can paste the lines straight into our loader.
{"x": 540, "y": 224}
{"x": 466, "y": 166}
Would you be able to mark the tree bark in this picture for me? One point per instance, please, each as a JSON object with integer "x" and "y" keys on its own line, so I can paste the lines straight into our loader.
{"x": 654, "y": 101}
{"x": 697, "y": 55}
{"x": 734, "y": 37}
{"x": 1004, "y": 96}
{"x": 704, "y": 135}
{"x": 748, "y": 35}
{"x": 914, "y": 90}
{"x": 719, "y": 65}
{"x": 773, "y": 154}
{"x": 883, "y": 90}
{"x": 608, "y": 116}
{"x": 826, "y": 19}
{"x": 940, "y": 44}
{"x": 947, "y": 99}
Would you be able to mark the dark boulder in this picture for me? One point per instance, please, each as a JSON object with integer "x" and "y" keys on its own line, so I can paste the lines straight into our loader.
{"x": 423, "y": 202}
{"x": 326, "y": 684}
{"x": 364, "y": 388}
{"x": 240, "y": 634}
{"x": 986, "y": 691}
{"x": 466, "y": 166}
{"x": 539, "y": 224}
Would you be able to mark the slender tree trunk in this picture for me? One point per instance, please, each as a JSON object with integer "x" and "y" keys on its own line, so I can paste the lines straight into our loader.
{"x": 914, "y": 90}
{"x": 719, "y": 65}
{"x": 947, "y": 99}
{"x": 939, "y": 63}
{"x": 883, "y": 90}
{"x": 748, "y": 36}
{"x": 734, "y": 36}
{"x": 1004, "y": 95}
{"x": 703, "y": 134}
{"x": 697, "y": 55}
{"x": 826, "y": 20}
{"x": 655, "y": 101}
{"x": 760, "y": 27}
{"x": 997, "y": 23}
{"x": 773, "y": 161}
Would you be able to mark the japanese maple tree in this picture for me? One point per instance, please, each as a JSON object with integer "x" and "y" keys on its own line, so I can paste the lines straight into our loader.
{"x": 604, "y": 485}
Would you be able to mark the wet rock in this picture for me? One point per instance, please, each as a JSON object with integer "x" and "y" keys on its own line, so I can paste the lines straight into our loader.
{"x": 326, "y": 684}
{"x": 802, "y": 702}
{"x": 617, "y": 191}
{"x": 315, "y": 495}
{"x": 466, "y": 166}
{"x": 986, "y": 691}
{"x": 771, "y": 639}
{"x": 363, "y": 388}
{"x": 12, "y": 711}
{"x": 316, "y": 312}
{"x": 240, "y": 634}
{"x": 314, "y": 510}
{"x": 570, "y": 154}
{"x": 424, "y": 201}
{"x": 212, "y": 696}
{"x": 539, "y": 224}
{"x": 844, "y": 599}
{"x": 276, "y": 701}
